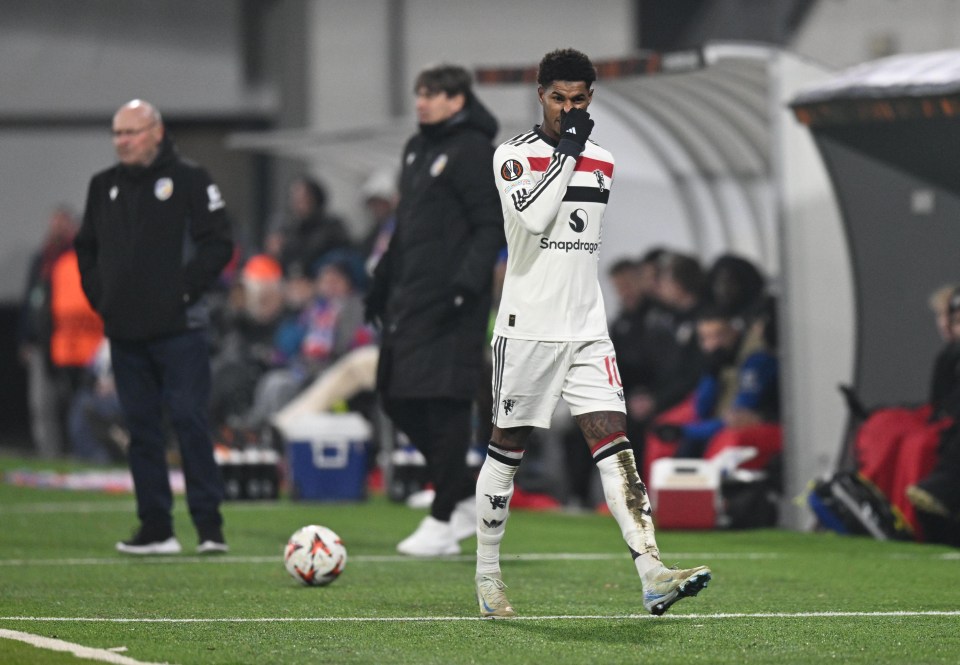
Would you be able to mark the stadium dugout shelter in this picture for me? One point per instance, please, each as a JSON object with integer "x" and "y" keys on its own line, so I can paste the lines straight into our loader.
{"x": 709, "y": 160}
{"x": 889, "y": 134}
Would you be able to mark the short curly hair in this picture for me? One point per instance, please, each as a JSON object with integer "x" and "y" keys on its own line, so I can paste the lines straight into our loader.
{"x": 566, "y": 64}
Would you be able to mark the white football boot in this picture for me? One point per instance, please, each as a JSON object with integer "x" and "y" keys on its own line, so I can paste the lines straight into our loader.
{"x": 493, "y": 601}
{"x": 668, "y": 585}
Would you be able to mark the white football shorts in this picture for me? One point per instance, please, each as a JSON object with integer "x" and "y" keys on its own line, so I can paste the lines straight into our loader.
{"x": 530, "y": 376}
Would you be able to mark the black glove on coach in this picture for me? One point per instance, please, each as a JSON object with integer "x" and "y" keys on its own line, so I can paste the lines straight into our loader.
{"x": 575, "y": 128}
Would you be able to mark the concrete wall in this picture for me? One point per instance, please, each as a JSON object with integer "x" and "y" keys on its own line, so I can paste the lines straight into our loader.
{"x": 352, "y": 67}
{"x": 64, "y": 69}
{"x": 841, "y": 33}
{"x": 817, "y": 311}
{"x": 82, "y": 59}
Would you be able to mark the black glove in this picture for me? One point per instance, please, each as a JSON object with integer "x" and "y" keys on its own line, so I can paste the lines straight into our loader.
{"x": 375, "y": 301}
{"x": 575, "y": 128}
{"x": 373, "y": 306}
{"x": 668, "y": 433}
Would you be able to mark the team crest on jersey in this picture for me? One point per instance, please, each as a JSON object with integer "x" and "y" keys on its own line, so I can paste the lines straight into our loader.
{"x": 508, "y": 405}
{"x": 600, "y": 181}
{"x": 113, "y": 193}
{"x": 163, "y": 189}
{"x": 511, "y": 170}
{"x": 410, "y": 157}
{"x": 438, "y": 165}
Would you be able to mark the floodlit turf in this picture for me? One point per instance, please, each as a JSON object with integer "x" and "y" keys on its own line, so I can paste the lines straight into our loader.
{"x": 777, "y": 597}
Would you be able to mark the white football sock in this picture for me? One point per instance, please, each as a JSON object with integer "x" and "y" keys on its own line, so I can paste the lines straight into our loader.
{"x": 494, "y": 490}
{"x": 627, "y": 499}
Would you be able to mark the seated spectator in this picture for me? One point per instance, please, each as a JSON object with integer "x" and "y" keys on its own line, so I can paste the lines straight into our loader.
{"x": 736, "y": 286}
{"x": 898, "y": 447}
{"x": 936, "y": 498}
{"x": 739, "y": 388}
{"x": 674, "y": 362}
{"x": 245, "y": 348}
{"x": 945, "y": 381}
{"x": 939, "y": 303}
{"x": 938, "y": 493}
{"x": 310, "y": 233}
{"x": 330, "y": 326}
{"x": 635, "y": 282}
{"x": 98, "y": 433}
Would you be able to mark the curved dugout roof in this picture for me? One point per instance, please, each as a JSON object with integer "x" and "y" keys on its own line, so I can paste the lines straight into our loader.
{"x": 710, "y": 131}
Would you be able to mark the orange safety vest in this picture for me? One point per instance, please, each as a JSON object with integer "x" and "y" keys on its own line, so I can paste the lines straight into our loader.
{"x": 77, "y": 330}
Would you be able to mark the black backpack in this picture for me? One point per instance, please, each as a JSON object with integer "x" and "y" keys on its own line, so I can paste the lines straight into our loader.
{"x": 848, "y": 503}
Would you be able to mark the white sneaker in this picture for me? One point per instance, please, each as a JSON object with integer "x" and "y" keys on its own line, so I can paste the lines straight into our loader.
{"x": 463, "y": 520}
{"x": 142, "y": 545}
{"x": 421, "y": 499}
{"x": 432, "y": 538}
{"x": 213, "y": 547}
{"x": 493, "y": 601}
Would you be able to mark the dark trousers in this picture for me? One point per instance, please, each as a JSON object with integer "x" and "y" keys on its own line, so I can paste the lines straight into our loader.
{"x": 440, "y": 430}
{"x": 171, "y": 373}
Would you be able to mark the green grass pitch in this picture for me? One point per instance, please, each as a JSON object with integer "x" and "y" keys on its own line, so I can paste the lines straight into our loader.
{"x": 776, "y": 597}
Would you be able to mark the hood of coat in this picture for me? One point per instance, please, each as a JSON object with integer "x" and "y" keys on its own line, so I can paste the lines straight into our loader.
{"x": 166, "y": 154}
{"x": 473, "y": 116}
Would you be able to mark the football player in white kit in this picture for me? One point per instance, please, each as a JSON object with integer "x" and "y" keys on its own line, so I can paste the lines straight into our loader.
{"x": 551, "y": 340}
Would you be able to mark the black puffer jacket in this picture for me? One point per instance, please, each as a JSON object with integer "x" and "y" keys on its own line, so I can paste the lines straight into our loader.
{"x": 153, "y": 240}
{"x": 449, "y": 231}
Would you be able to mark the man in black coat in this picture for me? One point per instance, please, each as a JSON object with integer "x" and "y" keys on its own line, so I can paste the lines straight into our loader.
{"x": 154, "y": 237}
{"x": 431, "y": 294}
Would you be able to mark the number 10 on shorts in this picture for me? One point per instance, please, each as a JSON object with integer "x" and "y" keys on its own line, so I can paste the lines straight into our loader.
{"x": 613, "y": 375}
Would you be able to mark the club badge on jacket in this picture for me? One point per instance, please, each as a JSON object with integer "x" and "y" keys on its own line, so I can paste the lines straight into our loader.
{"x": 163, "y": 189}
{"x": 438, "y": 165}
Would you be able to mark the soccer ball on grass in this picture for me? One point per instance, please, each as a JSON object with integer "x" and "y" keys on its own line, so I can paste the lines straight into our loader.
{"x": 315, "y": 555}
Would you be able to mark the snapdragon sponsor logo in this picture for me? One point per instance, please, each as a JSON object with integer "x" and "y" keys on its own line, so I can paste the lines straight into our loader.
{"x": 569, "y": 246}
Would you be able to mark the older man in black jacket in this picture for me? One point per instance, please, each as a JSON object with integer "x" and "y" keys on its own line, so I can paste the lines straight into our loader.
{"x": 431, "y": 293}
{"x": 155, "y": 236}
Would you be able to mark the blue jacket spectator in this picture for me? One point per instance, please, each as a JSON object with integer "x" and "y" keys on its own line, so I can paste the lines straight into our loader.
{"x": 739, "y": 387}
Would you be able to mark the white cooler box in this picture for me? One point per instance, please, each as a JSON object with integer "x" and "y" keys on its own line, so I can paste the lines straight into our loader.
{"x": 685, "y": 493}
{"x": 327, "y": 456}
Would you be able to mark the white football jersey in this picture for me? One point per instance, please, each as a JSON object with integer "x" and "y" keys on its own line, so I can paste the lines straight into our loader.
{"x": 553, "y": 209}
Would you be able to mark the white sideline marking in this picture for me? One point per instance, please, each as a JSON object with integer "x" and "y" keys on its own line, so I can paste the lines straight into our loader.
{"x": 545, "y": 617}
{"x": 126, "y": 506}
{"x": 78, "y": 650}
{"x": 73, "y": 507}
{"x": 372, "y": 558}
{"x": 462, "y": 558}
